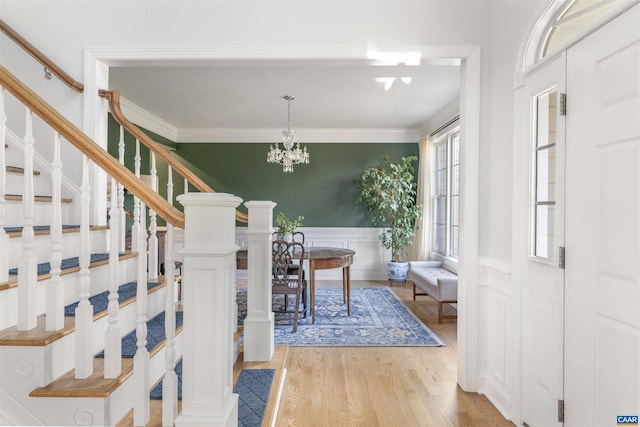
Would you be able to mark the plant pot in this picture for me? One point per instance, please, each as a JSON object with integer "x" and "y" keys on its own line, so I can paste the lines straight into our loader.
{"x": 397, "y": 271}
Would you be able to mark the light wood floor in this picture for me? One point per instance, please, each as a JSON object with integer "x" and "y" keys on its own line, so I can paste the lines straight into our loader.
{"x": 373, "y": 386}
{"x": 383, "y": 386}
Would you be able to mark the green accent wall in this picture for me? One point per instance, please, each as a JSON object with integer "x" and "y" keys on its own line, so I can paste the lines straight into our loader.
{"x": 322, "y": 191}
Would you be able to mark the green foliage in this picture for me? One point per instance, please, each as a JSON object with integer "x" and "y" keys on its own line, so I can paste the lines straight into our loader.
{"x": 389, "y": 194}
{"x": 286, "y": 225}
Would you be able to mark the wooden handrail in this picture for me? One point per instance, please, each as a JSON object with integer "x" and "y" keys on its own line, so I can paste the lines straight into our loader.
{"x": 41, "y": 57}
{"x": 89, "y": 148}
{"x": 113, "y": 96}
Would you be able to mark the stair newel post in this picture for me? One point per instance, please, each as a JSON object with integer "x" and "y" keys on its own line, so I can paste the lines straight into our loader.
{"x": 141, "y": 407}
{"x": 208, "y": 293}
{"x": 84, "y": 310}
{"x": 135, "y": 228}
{"x": 123, "y": 223}
{"x": 170, "y": 380}
{"x": 4, "y": 238}
{"x": 55, "y": 291}
{"x": 153, "y": 224}
{"x": 113, "y": 343}
{"x": 28, "y": 266}
{"x": 259, "y": 323}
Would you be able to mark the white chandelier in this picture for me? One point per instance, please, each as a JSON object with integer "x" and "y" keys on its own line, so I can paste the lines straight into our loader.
{"x": 288, "y": 156}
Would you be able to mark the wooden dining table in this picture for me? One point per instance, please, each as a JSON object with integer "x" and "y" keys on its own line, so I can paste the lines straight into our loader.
{"x": 320, "y": 258}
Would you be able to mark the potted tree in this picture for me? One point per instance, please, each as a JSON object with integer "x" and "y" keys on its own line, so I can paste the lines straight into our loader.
{"x": 389, "y": 194}
{"x": 287, "y": 226}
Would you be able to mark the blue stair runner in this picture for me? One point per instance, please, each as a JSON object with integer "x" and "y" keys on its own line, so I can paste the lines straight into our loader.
{"x": 37, "y": 228}
{"x": 45, "y": 267}
{"x": 101, "y": 301}
{"x": 253, "y": 388}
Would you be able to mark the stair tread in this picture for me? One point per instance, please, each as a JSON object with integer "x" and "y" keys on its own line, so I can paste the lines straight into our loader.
{"x": 42, "y": 230}
{"x": 96, "y": 385}
{"x": 16, "y": 169}
{"x": 18, "y": 198}
{"x": 40, "y": 337}
{"x": 93, "y": 386}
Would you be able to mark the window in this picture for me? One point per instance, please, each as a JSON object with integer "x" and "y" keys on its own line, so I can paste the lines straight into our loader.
{"x": 446, "y": 193}
{"x": 544, "y": 178}
{"x": 574, "y": 17}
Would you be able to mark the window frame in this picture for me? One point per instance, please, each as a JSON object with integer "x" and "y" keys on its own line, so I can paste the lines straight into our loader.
{"x": 445, "y": 138}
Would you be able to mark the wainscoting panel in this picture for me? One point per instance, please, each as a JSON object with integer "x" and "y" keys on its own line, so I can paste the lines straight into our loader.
{"x": 369, "y": 262}
{"x": 496, "y": 373}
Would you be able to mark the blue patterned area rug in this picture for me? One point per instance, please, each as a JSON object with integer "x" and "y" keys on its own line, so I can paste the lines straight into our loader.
{"x": 378, "y": 318}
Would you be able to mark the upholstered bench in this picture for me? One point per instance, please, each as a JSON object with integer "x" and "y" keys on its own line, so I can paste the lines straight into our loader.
{"x": 431, "y": 278}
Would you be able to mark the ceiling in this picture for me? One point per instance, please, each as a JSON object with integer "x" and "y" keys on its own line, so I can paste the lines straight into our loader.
{"x": 242, "y": 100}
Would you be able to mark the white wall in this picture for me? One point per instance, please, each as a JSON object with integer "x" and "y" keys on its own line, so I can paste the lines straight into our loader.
{"x": 64, "y": 29}
{"x": 497, "y": 26}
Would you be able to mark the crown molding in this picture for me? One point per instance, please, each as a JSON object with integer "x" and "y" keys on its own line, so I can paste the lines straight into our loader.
{"x": 153, "y": 123}
{"x": 148, "y": 120}
{"x": 267, "y": 135}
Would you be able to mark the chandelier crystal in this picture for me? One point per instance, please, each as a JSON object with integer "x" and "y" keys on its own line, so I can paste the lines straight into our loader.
{"x": 291, "y": 153}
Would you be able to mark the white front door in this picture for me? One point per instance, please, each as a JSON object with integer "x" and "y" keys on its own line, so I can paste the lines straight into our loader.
{"x": 543, "y": 293}
{"x": 602, "y": 349}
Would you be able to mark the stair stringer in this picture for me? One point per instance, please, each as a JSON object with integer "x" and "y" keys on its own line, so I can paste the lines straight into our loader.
{"x": 25, "y": 368}
{"x": 14, "y": 414}
{"x": 101, "y": 411}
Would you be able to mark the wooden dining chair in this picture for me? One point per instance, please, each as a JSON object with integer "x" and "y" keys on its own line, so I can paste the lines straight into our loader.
{"x": 287, "y": 258}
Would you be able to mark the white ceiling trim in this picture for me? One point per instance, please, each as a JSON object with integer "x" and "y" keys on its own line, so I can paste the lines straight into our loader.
{"x": 271, "y": 135}
{"x": 147, "y": 120}
{"x": 153, "y": 123}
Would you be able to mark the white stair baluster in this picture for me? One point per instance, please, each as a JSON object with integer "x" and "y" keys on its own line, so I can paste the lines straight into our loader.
{"x": 170, "y": 380}
{"x": 84, "y": 311}
{"x": 123, "y": 220}
{"x": 186, "y": 186}
{"x": 55, "y": 290}
{"x": 135, "y": 228}
{"x": 113, "y": 343}
{"x": 28, "y": 265}
{"x": 4, "y": 238}
{"x": 141, "y": 406}
{"x": 153, "y": 224}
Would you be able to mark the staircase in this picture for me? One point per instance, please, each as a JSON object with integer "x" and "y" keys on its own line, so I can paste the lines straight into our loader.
{"x": 37, "y": 371}
{"x": 87, "y": 325}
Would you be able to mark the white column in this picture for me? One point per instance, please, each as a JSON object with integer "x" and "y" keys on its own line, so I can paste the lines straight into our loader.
{"x": 258, "y": 325}
{"x": 208, "y": 283}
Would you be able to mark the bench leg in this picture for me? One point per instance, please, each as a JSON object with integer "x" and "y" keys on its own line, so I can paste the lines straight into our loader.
{"x": 440, "y": 312}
